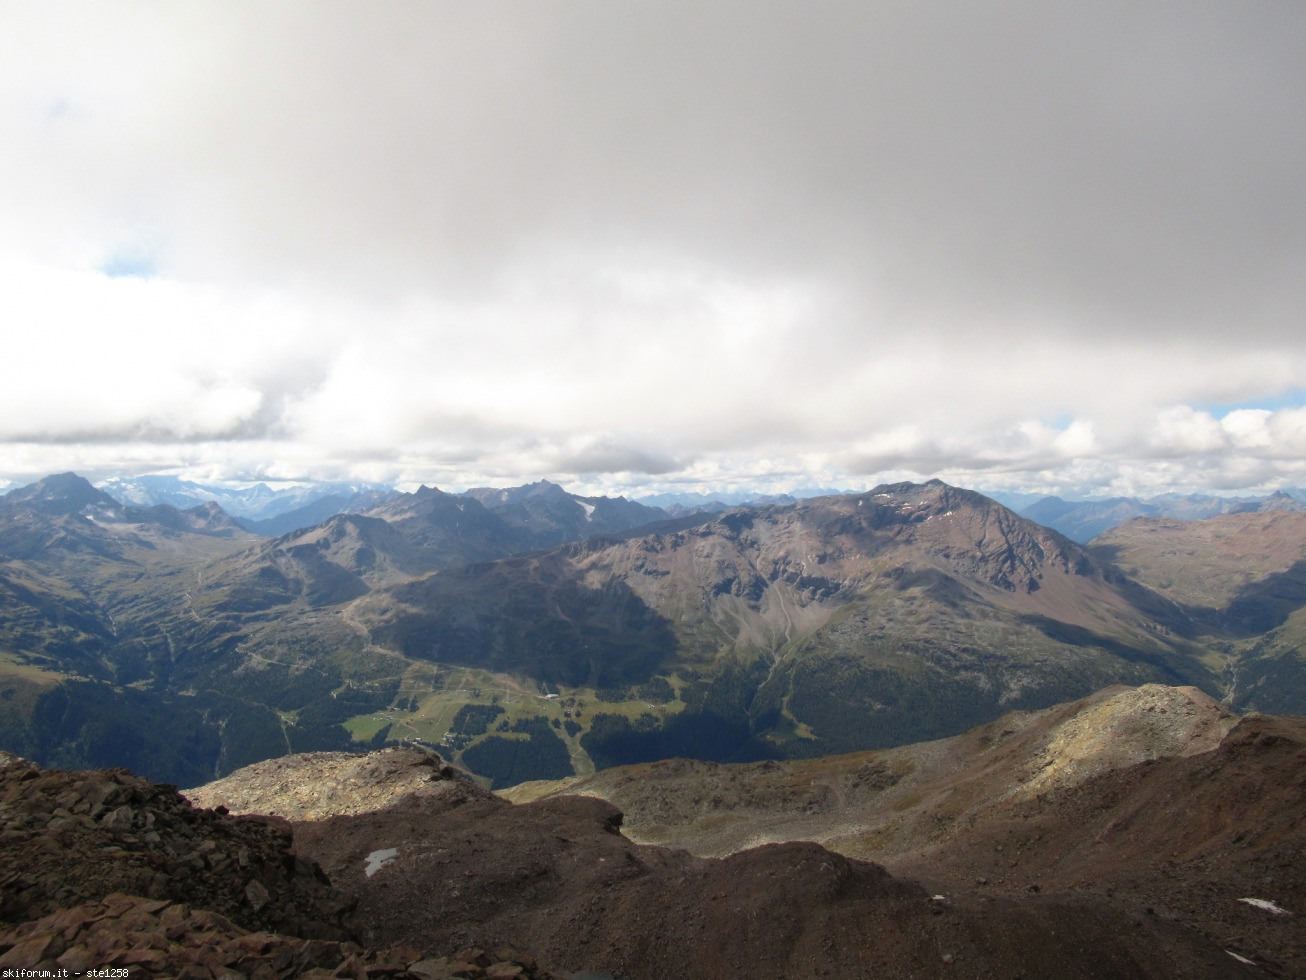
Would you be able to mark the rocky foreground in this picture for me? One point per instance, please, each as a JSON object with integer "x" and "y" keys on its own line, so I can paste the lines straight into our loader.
{"x": 105, "y": 870}
{"x": 1122, "y": 856}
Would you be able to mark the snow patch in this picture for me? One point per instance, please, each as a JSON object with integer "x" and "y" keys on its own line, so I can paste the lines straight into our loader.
{"x": 379, "y": 859}
{"x": 588, "y": 509}
{"x": 1262, "y": 903}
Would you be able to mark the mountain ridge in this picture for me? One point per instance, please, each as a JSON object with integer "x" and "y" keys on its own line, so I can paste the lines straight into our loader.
{"x": 835, "y": 623}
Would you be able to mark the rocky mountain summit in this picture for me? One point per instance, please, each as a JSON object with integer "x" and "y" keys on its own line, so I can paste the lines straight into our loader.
{"x": 1141, "y": 833}
{"x": 1116, "y": 836}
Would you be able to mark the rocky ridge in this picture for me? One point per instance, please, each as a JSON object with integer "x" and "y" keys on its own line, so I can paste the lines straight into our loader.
{"x": 317, "y": 785}
{"x": 105, "y": 870}
{"x": 1113, "y": 867}
{"x": 74, "y": 837}
{"x": 954, "y": 887}
{"x": 557, "y": 877}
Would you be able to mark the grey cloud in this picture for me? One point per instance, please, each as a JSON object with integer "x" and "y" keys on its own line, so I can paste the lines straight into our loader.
{"x": 143, "y": 431}
{"x": 968, "y": 189}
{"x": 615, "y": 458}
{"x": 1128, "y": 163}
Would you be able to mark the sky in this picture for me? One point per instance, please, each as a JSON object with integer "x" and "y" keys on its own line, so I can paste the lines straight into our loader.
{"x": 656, "y": 246}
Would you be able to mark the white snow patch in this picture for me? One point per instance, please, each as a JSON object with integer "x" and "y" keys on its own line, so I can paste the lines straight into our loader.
{"x": 379, "y": 859}
{"x": 588, "y": 509}
{"x": 1241, "y": 959}
{"x": 1262, "y": 903}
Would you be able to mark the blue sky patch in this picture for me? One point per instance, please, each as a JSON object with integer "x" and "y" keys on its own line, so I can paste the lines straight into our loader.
{"x": 131, "y": 263}
{"x": 1289, "y": 398}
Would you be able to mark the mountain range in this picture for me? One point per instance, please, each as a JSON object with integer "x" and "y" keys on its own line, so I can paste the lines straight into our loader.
{"x": 1083, "y": 520}
{"x": 537, "y": 634}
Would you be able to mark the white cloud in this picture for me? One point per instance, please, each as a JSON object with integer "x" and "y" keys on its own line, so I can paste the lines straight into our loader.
{"x": 1183, "y": 431}
{"x": 496, "y": 242}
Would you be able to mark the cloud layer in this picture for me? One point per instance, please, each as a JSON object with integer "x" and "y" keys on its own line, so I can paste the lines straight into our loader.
{"x": 656, "y": 245}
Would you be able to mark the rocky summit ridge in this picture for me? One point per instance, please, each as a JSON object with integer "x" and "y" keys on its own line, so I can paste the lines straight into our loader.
{"x": 1135, "y": 858}
{"x": 887, "y": 803}
{"x": 1115, "y": 836}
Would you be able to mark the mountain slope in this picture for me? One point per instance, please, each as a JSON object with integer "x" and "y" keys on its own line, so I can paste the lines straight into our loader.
{"x": 833, "y": 624}
{"x": 791, "y": 630}
{"x": 1243, "y": 579}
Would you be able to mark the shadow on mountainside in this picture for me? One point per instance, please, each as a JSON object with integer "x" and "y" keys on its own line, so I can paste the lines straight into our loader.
{"x": 1258, "y": 607}
{"x": 1159, "y": 663}
{"x": 529, "y": 615}
{"x": 1266, "y": 604}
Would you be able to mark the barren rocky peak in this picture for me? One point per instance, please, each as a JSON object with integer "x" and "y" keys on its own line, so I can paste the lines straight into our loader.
{"x": 317, "y": 785}
{"x": 1123, "y": 727}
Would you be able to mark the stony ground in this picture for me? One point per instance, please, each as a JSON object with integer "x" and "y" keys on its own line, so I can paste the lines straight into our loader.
{"x": 327, "y": 784}
{"x": 1112, "y": 838}
{"x": 558, "y": 878}
{"x": 104, "y": 870}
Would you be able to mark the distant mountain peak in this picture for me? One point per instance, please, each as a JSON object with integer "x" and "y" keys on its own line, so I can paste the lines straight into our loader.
{"x": 545, "y": 487}
{"x": 61, "y": 493}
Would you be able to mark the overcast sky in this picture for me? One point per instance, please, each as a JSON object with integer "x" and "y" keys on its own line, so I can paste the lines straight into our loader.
{"x": 651, "y": 246}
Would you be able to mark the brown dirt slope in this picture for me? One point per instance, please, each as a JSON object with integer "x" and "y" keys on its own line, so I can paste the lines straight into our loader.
{"x": 557, "y": 877}
{"x": 1138, "y": 799}
{"x": 1189, "y": 838}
